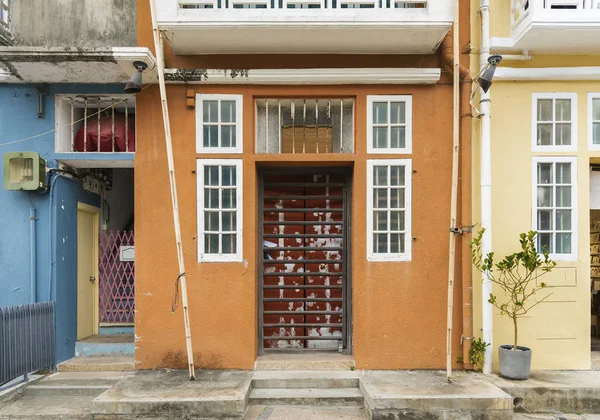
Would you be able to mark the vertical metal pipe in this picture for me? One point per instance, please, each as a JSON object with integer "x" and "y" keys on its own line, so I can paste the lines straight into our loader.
{"x": 267, "y": 124}
{"x": 85, "y": 125}
{"x": 279, "y": 126}
{"x": 341, "y": 126}
{"x": 72, "y": 125}
{"x": 304, "y": 125}
{"x": 127, "y": 126}
{"x": 32, "y": 255}
{"x": 327, "y": 127}
{"x": 112, "y": 130}
{"x": 293, "y": 115}
{"x": 98, "y": 116}
{"x": 317, "y": 122}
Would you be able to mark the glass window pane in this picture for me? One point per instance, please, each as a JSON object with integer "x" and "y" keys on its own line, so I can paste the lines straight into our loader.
{"x": 380, "y": 198}
{"x": 544, "y": 134}
{"x": 544, "y": 110}
{"x": 402, "y": 243}
{"x": 211, "y": 198}
{"x": 380, "y": 137}
{"x": 211, "y": 221}
{"x": 380, "y": 221}
{"x": 563, "y": 243}
{"x": 229, "y": 198}
{"x": 211, "y": 243}
{"x": 563, "y": 173}
{"x": 211, "y": 175}
{"x": 228, "y": 176}
{"x": 563, "y": 110}
{"x": 229, "y": 244}
{"x": 397, "y": 198}
{"x": 211, "y": 111}
{"x": 211, "y": 136}
{"x": 596, "y": 109}
{"x": 398, "y": 137}
{"x": 398, "y": 112}
{"x": 596, "y": 133}
{"x": 544, "y": 242}
{"x": 397, "y": 175}
{"x": 563, "y": 219}
{"x": 397, "y": 221}
{"x": 380, "y": 110}
{"x": 562, "y": 134}
{"x": 563, "y": 196}
{"x": 380, "y": 244}
{"x": 544, "y": 196}
{"x": 228, "y": 221}
{"x": 395, "y": 243}
{"x": 544, "y": 173}
{"x": 227, "y": 136}
{"x": 544, "y": 221}
{"x": 227, "y": 111}
{"x": 380, "y": 175}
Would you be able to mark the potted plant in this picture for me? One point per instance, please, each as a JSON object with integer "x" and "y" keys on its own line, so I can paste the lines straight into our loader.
{"x": 518, "y": 276}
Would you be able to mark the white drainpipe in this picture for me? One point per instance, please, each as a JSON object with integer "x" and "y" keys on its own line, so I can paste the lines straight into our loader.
{"x": 486, "y": 186}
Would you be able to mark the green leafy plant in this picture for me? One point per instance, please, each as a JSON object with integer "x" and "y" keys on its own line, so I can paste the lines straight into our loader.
{"x": 476, "y": 353}
{"x": 517, "y": 275}
{"x": 459, "y": 359}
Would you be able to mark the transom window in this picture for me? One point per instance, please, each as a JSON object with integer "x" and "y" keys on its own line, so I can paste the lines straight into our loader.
{"x": 219, "y": 209}
{"x": 554, "y": 206}
{"x": 594, "y": 121}
{"x": 554, "y": 121}
{"x": 219, "y": 123}
{"x": 389, "y": 124}
{"x": 389, "y": 210}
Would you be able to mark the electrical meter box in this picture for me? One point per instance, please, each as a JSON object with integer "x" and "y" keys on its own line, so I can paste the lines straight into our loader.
{"x": 24, "y": 171}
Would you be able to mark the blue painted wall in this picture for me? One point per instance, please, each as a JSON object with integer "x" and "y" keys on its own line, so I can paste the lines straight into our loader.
{"x": 19, "y": 120}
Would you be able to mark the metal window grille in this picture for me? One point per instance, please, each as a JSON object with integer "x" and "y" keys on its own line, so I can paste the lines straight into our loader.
{"x": 4, "y": 14}
{"x": 27, "y": 339}
{"x": 117, "y": 278}
{"x": 305, "y": 126}
{"x": 302, "y": 4}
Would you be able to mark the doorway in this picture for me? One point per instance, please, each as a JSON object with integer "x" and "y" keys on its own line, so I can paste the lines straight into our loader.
{"x": 87, "y": 270}
{"x": 304, "y": 260}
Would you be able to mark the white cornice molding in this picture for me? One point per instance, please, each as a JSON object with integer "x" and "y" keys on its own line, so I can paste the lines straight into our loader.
{"x": 547, "y": 73}
{"x": 343, "y": 76}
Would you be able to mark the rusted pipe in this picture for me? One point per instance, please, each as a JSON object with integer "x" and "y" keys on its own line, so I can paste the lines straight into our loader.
{"x": 464, "y": 254}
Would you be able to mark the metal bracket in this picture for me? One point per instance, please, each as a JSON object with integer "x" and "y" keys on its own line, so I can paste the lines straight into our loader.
{"x": 460, "y": 230}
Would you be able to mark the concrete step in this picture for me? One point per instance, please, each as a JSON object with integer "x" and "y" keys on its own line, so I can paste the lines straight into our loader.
{"x": 48, "y": 408}
{"x": 106, "y": 345}
{"x": 97, "y": 364}
{"x": 307, "y": 396}
{"x": 74, "y": 384}
{"x": 310, "y": 361}
{"x": 305, "y": 412}
{"x": 305, "y": 379}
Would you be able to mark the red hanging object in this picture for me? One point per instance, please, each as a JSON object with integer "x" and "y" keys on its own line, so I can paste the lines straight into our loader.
{"x": 106, "y": 135}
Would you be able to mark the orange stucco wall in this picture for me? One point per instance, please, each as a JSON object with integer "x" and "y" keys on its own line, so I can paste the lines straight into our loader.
{"x": 399, "y": 315}
{"x": 399, "y": 309}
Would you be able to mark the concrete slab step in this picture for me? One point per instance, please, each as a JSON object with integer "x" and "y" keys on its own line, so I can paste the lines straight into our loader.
{"x": 311, "y": 361}
{"x": 48, "y": 408}
{"x": 304, "y": 412}
{"x": 73, "y": 384}
{"x": 305, "y": 379}
{"x": 307, "y": 396}
{"x": 65, "y": 390}
{"x": 106, "y": 345}
{"x": 97, "y": 364}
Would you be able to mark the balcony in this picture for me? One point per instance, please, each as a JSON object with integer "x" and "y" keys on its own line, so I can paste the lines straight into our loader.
{"x": 552, "y": 27}
{"x": 304, "y": 26}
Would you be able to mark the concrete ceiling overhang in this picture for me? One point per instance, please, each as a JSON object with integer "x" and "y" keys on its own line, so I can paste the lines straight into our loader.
{"x": 74, "y": 65}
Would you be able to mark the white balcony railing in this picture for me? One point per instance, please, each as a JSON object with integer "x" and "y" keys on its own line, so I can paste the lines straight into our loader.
{"x": 303, "y": 4}
{"x": 521, "y": 9}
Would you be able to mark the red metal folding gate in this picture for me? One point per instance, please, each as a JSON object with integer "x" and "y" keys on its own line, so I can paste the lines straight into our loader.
{"x": 116, "y": 278}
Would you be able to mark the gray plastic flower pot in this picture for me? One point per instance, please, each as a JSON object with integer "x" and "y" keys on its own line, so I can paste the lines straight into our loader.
{"x": 514, "y": 364}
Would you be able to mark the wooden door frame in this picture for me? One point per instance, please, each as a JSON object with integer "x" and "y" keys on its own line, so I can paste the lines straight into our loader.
{"x": 95, "y": 211}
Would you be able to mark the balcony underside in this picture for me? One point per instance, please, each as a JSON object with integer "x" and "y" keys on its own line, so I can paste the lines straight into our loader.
{"x": 560, "y": 37}
{"x": 305, "y": 37}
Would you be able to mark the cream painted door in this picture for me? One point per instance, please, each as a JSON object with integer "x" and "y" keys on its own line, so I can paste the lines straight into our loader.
{"x": 87, "y": 233}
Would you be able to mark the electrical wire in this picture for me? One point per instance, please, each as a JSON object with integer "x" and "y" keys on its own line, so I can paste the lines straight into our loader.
{"x": 73, "y": 123}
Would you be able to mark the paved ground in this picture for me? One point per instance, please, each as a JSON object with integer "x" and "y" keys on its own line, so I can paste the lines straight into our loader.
{"x": 285, "y": 412}
{"x": 558, "y": 416}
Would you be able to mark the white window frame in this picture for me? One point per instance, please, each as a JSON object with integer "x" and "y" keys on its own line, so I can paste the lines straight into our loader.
{"x": 407, "y": 255}
{"x": 590, "y": 120}
{"x": 407, "y": 99}
{"x": 574, "y": 235}
{"x": 203, "y": 256}
{"x": 534, "y": 120}
{"x": 200, "y": 98}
